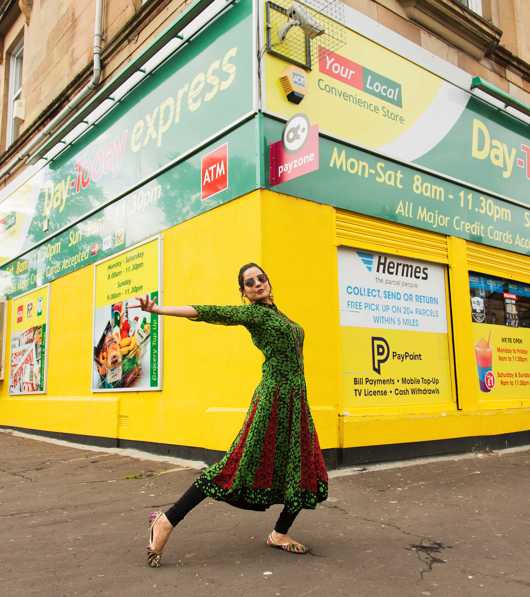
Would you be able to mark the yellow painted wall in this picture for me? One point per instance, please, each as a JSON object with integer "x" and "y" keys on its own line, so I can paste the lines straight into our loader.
{"x": 209, "y": 372}
{"x": 300, "y": 257}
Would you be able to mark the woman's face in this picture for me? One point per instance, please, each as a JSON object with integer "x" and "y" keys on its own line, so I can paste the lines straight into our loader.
{"x": 256, "y": 286}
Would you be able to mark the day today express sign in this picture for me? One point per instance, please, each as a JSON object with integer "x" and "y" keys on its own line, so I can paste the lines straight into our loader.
{"x": 364, "y": 94}
{"x": 203, "y": 89}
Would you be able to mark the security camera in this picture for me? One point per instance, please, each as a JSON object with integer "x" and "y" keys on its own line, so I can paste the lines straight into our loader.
{"x": 299, "y": 17}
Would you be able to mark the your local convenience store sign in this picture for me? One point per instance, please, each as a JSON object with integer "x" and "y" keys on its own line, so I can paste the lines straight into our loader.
{"x": 203, "y": 89}
{"x": 365, "y": 94}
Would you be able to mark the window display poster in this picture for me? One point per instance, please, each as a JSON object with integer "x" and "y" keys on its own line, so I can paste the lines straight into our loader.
{"x": 395, "y": 346}
{"x": 500, "y": 311}
{"x": 29, "y": 343}
{"x": 126, "y": 340}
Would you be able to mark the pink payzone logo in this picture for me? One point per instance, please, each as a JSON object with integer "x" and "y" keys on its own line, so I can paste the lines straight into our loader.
{"x": 297, "y": 153}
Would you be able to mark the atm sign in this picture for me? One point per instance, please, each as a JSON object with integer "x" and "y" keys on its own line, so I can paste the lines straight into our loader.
{"x": 214, "y": 172}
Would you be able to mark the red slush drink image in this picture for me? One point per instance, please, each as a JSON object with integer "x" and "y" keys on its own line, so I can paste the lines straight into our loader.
{"x": 484, "y": 359}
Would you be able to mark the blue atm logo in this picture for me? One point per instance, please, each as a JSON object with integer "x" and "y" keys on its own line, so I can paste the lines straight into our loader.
{"x": 367, "y": 259}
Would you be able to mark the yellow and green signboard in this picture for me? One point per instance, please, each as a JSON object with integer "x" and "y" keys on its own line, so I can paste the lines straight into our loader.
{"x": 361, "y": 93}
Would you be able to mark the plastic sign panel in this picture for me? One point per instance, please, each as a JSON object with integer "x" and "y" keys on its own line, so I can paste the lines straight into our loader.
{"x": 501, "y": 337}
{"x": 29, "y": 343}
{"x": 127, "y": 343}
{"x": 393, "y": 321}
{"x": 367, "y": 95}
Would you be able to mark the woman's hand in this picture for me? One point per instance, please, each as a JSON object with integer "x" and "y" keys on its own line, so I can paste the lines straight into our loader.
{"x": 146, "y": 304}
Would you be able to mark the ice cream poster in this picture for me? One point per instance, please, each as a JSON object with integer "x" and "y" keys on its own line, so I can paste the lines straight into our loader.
{"x": 29, "y": 343}
{"x": 126, "y": 340}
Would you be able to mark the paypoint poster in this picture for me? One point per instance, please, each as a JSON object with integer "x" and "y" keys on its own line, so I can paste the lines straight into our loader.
{"x": 29, "y": 343}
{"x": 126, "y": 340}
{"x": 395, "y": 346}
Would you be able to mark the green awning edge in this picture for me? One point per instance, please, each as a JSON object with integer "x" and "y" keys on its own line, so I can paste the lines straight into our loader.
{"x": 500, "y": 94}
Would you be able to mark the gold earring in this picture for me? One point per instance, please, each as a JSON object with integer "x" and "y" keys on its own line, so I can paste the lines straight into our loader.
{"x": 243, "y": 298}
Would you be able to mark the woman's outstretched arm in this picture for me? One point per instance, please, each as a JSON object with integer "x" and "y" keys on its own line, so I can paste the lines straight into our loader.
{"x": 149, "y": 305}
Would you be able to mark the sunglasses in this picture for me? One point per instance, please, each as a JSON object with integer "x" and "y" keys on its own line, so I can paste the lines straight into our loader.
{"x": 250, "y": 282}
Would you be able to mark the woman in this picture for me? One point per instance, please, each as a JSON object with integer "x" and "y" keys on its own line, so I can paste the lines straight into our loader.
{"x": 276, "y": 457}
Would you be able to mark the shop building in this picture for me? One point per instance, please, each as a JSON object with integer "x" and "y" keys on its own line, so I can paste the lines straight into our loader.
{"x": 374, "y": 156}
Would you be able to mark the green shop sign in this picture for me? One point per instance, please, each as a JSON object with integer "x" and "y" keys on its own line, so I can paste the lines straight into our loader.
{"x": 358, "y": 181}
{"x": 167, "y": 200}
{"x": 204, "y": 89}
{"x": 488, "y": 148}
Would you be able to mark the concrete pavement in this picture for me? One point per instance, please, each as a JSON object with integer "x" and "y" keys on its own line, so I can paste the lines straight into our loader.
{"x": 73, "y": 522}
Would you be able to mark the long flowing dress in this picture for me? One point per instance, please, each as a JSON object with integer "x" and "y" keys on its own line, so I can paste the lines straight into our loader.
{"x": 276, "y": 457}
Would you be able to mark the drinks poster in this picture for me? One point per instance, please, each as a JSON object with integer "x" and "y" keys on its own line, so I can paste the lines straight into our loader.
{"x": 126, "y": 340}
{"x": 501, "y": 337}
{"x": 29, "y": 343}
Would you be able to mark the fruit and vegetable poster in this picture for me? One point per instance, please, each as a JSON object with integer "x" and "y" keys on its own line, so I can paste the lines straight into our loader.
{"x": 29, "y": 343}
{"x": 126, "y": 340}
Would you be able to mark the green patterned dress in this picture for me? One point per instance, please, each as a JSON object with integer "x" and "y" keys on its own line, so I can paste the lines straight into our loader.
{"x": 276, "y": 457}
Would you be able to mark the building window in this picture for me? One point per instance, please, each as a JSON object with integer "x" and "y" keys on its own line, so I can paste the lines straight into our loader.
{"x": 475, "y": 5}
{"x": 16, "y": 56}
{"x": 499, "y": 301}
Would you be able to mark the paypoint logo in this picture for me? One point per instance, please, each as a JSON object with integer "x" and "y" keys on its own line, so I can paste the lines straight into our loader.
{"x": 380, "y": 353}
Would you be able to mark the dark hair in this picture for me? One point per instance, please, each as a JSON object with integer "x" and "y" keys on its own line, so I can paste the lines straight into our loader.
{"x": 244, "y": 269}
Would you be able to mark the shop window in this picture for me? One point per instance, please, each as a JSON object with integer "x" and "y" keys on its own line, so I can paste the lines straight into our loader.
{"x": 14, "y": 94}
{"x": 499, "y": 301}
{"x": 474, "y": 5}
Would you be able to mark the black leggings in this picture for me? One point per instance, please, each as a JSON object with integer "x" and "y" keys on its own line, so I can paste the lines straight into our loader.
{"x": 194, "y": 496}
